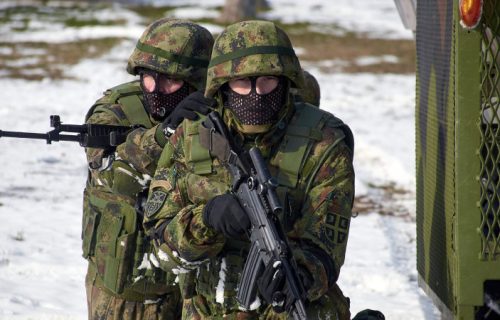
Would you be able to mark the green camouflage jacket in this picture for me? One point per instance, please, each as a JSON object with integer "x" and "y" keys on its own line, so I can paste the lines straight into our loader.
{"x": 321, "y": 202}
{"x": 143, "y": 145}
{"x": 113, "y": 239}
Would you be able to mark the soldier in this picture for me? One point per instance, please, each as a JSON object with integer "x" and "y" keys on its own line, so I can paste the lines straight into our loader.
{"x": 123, "y": 279}
{"x": 199, "y": 228}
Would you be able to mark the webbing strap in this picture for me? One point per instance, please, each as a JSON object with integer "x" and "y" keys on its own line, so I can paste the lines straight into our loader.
{"x": 215, "y": 143}
{"x": 173, "y": 57}
{"x": 128, "y": 96}
{"x": 134, "y": 110}
{"x": 127, "y": 294}
{"x": 239, "y": 53}
{"x": 114, "y": 234}
{"x": 297, "y": 142}
{"x": 196, "y": 155}
{"x": 305, "y": 132}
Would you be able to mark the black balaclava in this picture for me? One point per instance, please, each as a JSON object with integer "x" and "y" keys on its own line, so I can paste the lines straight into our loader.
{"x": 256, "y": 109}
{"x": 159, "y": 104}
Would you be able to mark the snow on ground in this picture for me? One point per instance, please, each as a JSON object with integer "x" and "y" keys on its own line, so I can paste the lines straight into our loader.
{"x": 41, "y": 269}
{"x": 378, "y": 19}
{"x": 374, "y": 19}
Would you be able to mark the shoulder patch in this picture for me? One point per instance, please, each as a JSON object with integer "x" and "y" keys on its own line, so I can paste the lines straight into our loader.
{"x": 155, "y": 203}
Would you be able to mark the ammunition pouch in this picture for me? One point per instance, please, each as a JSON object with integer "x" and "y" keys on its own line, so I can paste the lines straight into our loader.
{"x": 187, "y": 284}
{"x": 219, "y": 286}
{"x": 115, "y": 244}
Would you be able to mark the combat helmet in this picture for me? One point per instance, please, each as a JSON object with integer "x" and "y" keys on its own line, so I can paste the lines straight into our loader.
{"x": 178, "y": 48}
{"x": 311, "y": 93}
{"x": 252, "y": 48}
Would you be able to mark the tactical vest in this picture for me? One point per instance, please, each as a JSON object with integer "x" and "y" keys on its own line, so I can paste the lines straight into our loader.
{"x": 119, "y": 254}
{"x": 295, "y": 175}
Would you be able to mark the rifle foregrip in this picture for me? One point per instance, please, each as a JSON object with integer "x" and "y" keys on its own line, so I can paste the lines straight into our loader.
{"x": 247, "y": 290}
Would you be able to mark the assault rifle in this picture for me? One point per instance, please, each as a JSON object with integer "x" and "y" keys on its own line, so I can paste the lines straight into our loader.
{"x": 100, "y": 136}
{"x": 254, "y": 187}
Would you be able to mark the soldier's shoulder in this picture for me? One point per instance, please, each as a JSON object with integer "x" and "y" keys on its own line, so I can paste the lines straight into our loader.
{"x": 113, "y": 95}
{"x": 131, "y": 87}
{"x": 109, "y": 111}
{"x": 330, "y": 125}
{"x": 331, "y": 130}
{"x": 109, "y": 105}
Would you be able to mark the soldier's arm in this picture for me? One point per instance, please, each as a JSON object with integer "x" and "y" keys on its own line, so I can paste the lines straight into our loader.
{"x": 142, "y": 148}
{"x": 323, "y": 227}
{"x": 174, "y": 213}
{"x": 95, "y": 156}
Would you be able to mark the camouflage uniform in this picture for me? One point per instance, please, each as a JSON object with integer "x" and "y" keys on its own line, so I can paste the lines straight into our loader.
{"x": 310, "y": 153}
{"x": 123, "y": 279}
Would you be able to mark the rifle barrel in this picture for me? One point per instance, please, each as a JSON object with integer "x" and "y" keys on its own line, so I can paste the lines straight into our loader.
{"x": 48, "y": 137}
{"x": 26, "y": 135}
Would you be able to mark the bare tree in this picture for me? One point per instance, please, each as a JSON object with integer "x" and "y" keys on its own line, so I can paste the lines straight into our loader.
{"x": 237, "y": 10}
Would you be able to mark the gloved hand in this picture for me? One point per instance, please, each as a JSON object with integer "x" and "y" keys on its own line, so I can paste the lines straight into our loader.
{"x": 186, "y": 109}
{"x": 224, "y": 214}
{"x": 369, "y": 314}
{"x": 274, "y": 288}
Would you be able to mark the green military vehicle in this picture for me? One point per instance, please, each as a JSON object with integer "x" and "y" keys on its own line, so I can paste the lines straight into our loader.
{"x": 458, "y": 154}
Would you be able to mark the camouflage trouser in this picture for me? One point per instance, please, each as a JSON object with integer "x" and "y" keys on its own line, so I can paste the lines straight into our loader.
{"x": 103, "y": 305}
{"x": 332, "y": 306}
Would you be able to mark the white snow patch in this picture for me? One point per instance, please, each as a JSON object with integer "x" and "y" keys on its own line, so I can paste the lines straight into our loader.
{"x": 219, "y": 290}
{"x": 145, "y": 264}
{"x": 23, "y": 62}
{"x": 193, "y": 13}
{"x": 180, "y": 270}
{"x": 370, "y": 60}
{"x": 147, "y": 301}
{"x": 6, "y": 50}
{"x": 144, "y": 181}
{"x": 256, "y": 304}
{"x": 377, "y": 19}
{"x": 162, "y": 255}
{"x": 153, "y": 260}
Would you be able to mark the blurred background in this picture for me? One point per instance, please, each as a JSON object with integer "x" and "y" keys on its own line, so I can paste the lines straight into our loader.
{"x": 57, "y": 57}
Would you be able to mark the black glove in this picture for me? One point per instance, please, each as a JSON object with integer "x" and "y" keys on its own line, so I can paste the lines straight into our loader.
{"x": 187, "y": 109}
{"x": 274, "y": 288}
{"x": 224, "y": 214}
{"x": 368, "y": 314}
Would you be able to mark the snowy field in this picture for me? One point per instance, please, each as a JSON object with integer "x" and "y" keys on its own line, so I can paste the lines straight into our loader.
{"x": 41, "y": 269}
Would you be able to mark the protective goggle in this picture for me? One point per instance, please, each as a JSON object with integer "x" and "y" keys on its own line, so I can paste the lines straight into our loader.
{"x": 152, "y": 81}
{"x": 261, "y": 85}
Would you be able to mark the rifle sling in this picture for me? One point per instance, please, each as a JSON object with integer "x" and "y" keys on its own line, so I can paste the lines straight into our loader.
{"x": 215, "y": 143}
